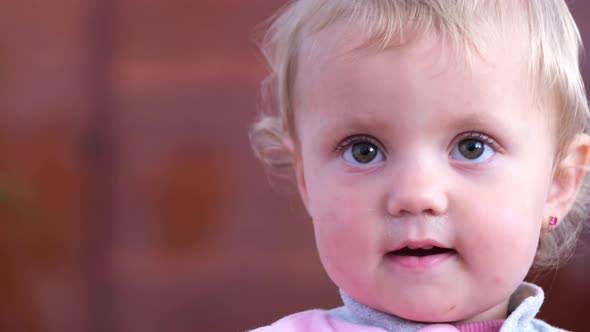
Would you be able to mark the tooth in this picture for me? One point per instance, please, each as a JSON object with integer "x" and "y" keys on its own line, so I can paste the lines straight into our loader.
{"x": 428, "y": 247}
{"x": 413, "y": 248}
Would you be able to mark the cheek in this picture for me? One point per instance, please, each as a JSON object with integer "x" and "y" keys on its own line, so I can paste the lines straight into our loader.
{"x": 339, "y": 210}
{"x": 334, "y": 231}
{"x": 347, "y": 234}
{"x": 338, "y": 221}
{"x": 501, "y": 239}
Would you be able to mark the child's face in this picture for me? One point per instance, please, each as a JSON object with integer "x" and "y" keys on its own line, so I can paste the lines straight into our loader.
{"x": 408, "y": 147}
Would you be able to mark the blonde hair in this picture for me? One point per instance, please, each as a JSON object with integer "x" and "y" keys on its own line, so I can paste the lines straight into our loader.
{"x": 555, "y": 46}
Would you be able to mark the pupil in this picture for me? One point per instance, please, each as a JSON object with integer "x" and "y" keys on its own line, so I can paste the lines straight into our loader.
{"x": 471, "y": 149}
{"x": 364, "y": 152}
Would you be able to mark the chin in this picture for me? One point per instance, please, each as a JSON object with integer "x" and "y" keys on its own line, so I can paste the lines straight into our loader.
{"x": 426, "y": 317}
{"x": 435, "y": 312}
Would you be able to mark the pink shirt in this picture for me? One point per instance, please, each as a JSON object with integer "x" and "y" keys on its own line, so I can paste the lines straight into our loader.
{"x": 322, "y": 321}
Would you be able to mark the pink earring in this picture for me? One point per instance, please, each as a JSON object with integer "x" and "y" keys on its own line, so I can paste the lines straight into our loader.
{"x": 552, "y": 223}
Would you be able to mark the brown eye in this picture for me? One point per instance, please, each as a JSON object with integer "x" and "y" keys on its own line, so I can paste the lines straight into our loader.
{"x": 361, "y": 150}
{"x": 475, "y": 148}
{"x": 364, "y": 152}
{"x": 471, "y": 148}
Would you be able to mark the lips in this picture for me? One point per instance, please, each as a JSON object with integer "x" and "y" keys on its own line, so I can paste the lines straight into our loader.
{"x": 420, "y": 255}
{"x": 420, "y": 252}
{"x": 417, "y": 248}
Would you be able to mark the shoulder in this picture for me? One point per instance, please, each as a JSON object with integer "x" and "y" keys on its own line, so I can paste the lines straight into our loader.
{"x": 314, "y": 320}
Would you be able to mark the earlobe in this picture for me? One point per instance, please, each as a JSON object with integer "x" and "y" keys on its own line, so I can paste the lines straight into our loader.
{"x": 568, "y": 177}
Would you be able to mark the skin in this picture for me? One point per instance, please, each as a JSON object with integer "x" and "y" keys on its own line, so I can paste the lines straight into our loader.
{"x": 415, "y": 104}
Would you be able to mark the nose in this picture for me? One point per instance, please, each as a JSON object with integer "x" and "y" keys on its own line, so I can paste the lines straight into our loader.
{"x": 417, "y": 188}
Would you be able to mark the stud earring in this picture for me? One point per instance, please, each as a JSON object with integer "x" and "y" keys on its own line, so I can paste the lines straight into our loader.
{"x": 552, "y": 223}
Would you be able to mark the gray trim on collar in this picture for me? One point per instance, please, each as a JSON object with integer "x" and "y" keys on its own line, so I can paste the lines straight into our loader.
{"x": 523, "y": 307}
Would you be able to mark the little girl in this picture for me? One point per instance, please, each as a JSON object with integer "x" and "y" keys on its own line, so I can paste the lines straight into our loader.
{"x": 439, "y": 147}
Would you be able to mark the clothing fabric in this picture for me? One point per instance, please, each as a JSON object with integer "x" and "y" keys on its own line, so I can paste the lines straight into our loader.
{"x": 354, "y": 316}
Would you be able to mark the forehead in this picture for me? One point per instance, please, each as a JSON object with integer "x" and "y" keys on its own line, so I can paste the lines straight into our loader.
{"x": 333, "y": 65}
{"x": 353, "y": 31}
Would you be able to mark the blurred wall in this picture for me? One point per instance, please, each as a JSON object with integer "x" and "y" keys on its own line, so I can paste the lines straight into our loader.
{"x": 129, "y": 196}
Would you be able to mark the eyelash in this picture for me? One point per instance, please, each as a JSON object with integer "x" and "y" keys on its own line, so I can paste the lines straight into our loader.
{"x": 479, "y": 136}
{"x": 341, "y": 146}
{"x": 351, "y": 140}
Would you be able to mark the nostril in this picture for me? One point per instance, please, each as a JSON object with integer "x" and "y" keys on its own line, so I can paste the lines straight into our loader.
{"x": 433, "y": 208}
{"x": 417, "y": 196}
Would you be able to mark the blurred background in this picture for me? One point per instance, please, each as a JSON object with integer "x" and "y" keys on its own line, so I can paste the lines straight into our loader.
{"x": 129, "y": 196}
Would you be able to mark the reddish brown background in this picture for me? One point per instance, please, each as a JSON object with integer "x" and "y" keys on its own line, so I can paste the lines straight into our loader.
{"x": 129, "y": 198}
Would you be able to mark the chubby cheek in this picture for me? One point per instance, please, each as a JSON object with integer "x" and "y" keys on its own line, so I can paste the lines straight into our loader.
{"x": 499, "y": 246}
{"x": 346, "y": 235}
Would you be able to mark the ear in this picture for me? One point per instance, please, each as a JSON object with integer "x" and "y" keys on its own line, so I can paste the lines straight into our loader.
{"x": 295, "y": 152}
{"x": 568, "y": 176}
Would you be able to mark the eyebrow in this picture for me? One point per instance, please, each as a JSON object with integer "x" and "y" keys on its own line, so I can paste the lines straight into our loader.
{"x": 354, "y": 122}
{"x": 469, "y": 119}
{"x": 466, "y": 119}
{"x": 476, "y": 119}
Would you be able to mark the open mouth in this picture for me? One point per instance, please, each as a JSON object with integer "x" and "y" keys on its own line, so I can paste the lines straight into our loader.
{"x": 420, "y": 252}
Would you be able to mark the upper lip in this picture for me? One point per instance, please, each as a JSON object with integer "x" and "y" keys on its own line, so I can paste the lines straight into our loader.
{"x": 420, "y": 244}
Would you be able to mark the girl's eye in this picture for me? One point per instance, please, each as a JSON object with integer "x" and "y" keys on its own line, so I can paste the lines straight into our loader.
{"x": 362, "y": 153}
{"x": 473, "y": 150}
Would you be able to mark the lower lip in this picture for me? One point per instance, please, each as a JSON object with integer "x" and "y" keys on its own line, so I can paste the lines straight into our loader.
{"x": 421, "y": 263}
